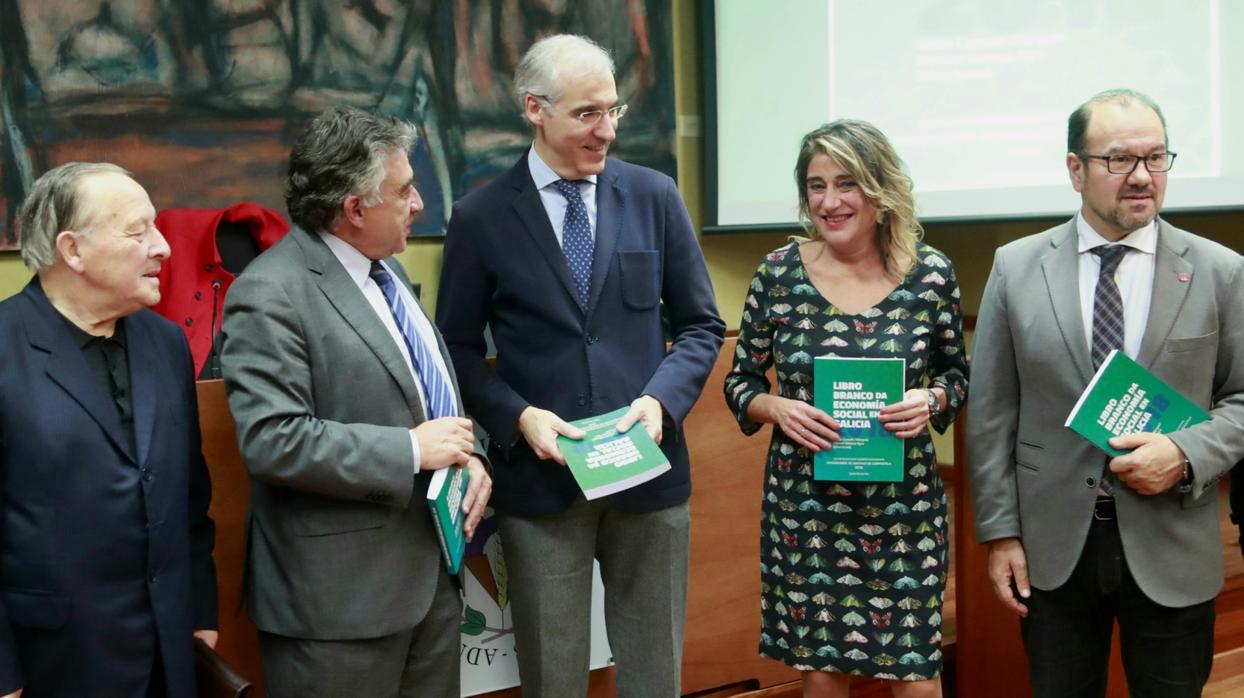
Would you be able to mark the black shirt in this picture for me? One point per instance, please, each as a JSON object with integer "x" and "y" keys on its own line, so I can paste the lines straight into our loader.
{"x": 107, "y": 358}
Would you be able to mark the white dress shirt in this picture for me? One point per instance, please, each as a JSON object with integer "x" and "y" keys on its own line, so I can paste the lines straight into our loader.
{"x": 1134, "y": 277}
{"x": 555, "y": 203}
{"x": 358, "y": 266}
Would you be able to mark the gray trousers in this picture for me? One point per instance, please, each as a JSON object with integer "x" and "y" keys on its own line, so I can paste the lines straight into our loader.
{"x": 643, "y": 564}
{"x": 421, "y": 662}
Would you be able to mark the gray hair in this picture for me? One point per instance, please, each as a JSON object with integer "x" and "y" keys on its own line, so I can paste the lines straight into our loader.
{"x": 340, "y": 154}
{"x": 55, "y": 205}
{"x": 1078, "y": 122}
{"x": 550, "y": 61}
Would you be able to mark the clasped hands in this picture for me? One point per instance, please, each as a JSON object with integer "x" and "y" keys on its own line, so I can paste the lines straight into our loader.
{"x": 450, "y": 442}
{"x": 816, "y": 430}
{"x": 540, "y": 428}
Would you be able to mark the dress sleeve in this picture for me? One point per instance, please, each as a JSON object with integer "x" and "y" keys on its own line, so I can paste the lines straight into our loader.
{"x": 753, "y": 355}
{"x": 948, "y": 368}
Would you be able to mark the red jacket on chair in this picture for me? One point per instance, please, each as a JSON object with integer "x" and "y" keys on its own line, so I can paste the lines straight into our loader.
{"x": 193, "y": 283}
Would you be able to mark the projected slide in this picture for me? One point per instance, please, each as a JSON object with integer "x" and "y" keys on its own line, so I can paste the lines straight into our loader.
{"x": 974, "y": 95}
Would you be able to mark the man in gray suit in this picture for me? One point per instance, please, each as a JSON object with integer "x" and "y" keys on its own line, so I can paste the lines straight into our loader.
{"x": 1077, "y": 540}
{"x": 345, "y": 402}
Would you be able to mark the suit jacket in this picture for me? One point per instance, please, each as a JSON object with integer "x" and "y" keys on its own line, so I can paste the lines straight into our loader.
{"x": 340, "y": 542}
{"x": 105, "y": 552}
{"x": 504, "y": 268}
{"x": 1037, "y": 480}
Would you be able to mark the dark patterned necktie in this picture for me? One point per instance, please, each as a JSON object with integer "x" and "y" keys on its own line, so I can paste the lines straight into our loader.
{"x": 1107, "y": 322}
{"x": 577, "y": 242}
{"x": 435, "y": 385}
{"x": 1107, "y": 304}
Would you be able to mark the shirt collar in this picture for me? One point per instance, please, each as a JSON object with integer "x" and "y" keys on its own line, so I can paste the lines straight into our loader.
{"x": 1143, "y": 239}
{"x": 356, "y": 264}
{"x": 542, "y": 174}
{"x": 84, "y": 339}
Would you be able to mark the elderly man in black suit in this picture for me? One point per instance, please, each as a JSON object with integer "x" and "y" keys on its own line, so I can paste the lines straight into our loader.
{"x": 106, "y": 548}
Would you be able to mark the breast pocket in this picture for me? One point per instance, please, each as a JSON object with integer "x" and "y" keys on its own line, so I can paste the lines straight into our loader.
{"x": 1179, "y": 345}
{"x": 640, "y": 277}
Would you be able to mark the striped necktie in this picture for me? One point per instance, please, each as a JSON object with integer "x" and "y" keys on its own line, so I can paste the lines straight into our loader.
{"x": 440, "y": 400}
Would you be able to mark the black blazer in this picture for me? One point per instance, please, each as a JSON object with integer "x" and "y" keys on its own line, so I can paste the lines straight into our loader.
{"x": 105, "y": 554}
{"x": 503, "y": 267}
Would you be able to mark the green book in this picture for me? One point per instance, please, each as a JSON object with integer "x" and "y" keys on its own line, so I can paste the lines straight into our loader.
{"x": 853, "y": 391}
{"x": 1125, "y": 398}
{"x": 604, "y": 461}
{"x": 445, "y": 493}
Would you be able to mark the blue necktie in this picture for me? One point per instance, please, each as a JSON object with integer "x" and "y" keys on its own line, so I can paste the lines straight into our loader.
{"x": 577, "y": 242}
{"x": 435, "y": 385}
{"x": 1107, "y": 323}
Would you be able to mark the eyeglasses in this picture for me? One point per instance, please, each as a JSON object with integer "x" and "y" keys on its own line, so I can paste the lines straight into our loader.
{"x": 590, "y": 118}
{"x": 1120, "y": 163}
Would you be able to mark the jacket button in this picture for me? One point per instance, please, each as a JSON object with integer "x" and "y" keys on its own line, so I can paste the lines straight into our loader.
{"x": 208, "y": 268}
{"x": 1090, "y": 482}
{"x": 189, "y": 321}
{"x": 198, "y": 295}
{"x": 582, "y": 399}
{"x": 151, "y": 579}
{"x": 146, "y": 473}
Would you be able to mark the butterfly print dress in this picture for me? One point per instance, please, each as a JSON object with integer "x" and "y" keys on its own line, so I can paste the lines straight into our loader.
{"x": 852, "y": 574}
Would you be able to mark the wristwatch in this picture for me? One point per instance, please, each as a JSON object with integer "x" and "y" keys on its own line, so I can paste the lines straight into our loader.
{"x": 1184, "y": 486}
{"x": 935, "y": 405}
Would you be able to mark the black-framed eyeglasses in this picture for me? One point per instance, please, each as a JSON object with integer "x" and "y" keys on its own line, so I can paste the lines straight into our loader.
{"x": 1120, "y": 163}
{"x": 590, "y": 118}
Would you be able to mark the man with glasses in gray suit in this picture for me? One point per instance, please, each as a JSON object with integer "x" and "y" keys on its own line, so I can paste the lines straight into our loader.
{"x": 1078, "y": 540}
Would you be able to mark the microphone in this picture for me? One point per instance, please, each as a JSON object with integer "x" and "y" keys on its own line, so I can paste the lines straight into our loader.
{"x": 214, "y": 356}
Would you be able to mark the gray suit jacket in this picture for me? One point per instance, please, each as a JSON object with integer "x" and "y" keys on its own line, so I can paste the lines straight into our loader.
{"x": 340, "y": 540}
{"x": 1034, "y": 479}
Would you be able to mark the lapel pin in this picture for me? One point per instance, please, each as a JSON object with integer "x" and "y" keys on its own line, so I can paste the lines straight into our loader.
{"x": 1184, "y": 276}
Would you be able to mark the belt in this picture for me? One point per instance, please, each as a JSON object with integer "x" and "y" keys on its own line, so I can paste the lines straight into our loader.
{"x": 1103, "y": 509}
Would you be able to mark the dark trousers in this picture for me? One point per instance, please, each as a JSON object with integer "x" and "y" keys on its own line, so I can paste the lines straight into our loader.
{"x": 1167, "y": 652}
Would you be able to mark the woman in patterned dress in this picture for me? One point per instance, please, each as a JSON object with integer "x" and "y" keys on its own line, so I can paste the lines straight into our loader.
{"x": 852, "y": 573}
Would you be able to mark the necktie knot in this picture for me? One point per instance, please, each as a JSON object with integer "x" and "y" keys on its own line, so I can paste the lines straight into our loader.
{"x": 569, "y": 189}
{"x": 1110, "y": 256}
{"x": 381, "y": 276}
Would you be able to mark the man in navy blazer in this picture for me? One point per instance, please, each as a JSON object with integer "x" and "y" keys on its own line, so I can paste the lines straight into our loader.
{"x": 105, "y": 544}
{"x": 569, "y": 258}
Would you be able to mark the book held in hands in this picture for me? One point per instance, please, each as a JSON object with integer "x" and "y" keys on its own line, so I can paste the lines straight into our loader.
{"x": 1125, "y": 398}
{"x": 604, "y": 461}
{"x": 445, "y": 493}
{"x": 853, "y": 391}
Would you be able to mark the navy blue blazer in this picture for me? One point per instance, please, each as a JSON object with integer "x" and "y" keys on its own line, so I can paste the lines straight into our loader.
{"x": 503, "y": 267}
{"x": 105, "y": 554}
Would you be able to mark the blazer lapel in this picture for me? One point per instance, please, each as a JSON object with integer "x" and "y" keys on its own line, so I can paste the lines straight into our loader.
{"x": 535, "y": 219}
{"x": 610, "y": 202}
{"x": 67, "y": 368}
{"x": 1172, "y": 276}
{"x": 1062, "y": 278}
{"x": 349, "y": 302}
{"x": 144, "y": 361}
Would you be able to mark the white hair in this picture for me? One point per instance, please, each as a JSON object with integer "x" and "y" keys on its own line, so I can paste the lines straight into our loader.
{"x": 547, "y": 65}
